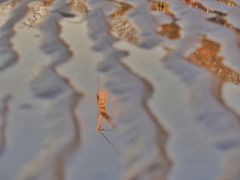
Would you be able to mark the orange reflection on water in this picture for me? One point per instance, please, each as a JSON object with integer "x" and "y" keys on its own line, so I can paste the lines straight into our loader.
{"x": 161, "y": 6}
{"x": 36, "y": 12}
{"x": 207, "y": 57}
{"x": 121, "y": 10}
{"x": 198, "y": 5}
{"x": 120, "y": 26}
{"x": 78, "y": 6}
{"x": 171, "y": 31}
{"x": 5, "y": 10}
{"x": 230, "y": 3}
{"x": 123, "y": 29}
{"x": 8, "y": 5}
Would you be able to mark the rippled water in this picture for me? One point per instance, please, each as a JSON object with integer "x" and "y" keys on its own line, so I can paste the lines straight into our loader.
{"x": 170, "y": 71}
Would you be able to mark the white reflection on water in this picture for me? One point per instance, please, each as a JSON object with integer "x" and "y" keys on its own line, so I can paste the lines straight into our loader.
{"x": 53, "y": 104}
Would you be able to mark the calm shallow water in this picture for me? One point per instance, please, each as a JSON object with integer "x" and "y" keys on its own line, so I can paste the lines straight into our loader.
{"x": 171, "y": 73}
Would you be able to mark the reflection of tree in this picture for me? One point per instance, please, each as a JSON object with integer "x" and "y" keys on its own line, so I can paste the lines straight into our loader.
{"x": 36, "y": 12}
{"x": 123, "y": 29}
{"x": 120, "y": 26}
